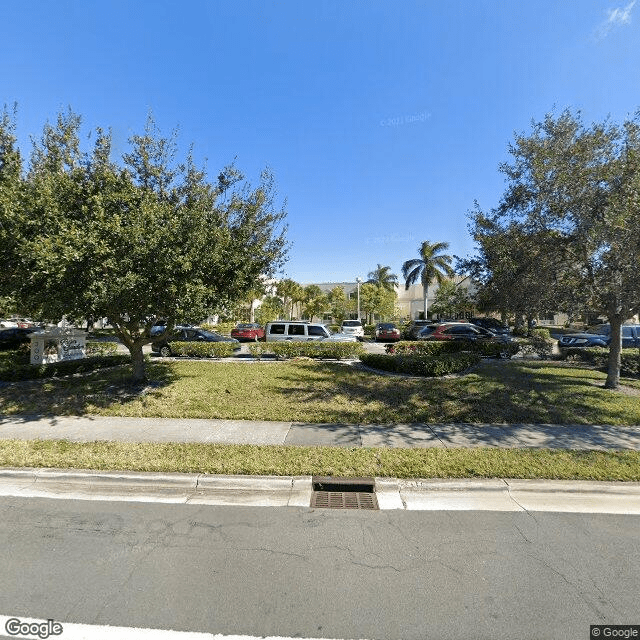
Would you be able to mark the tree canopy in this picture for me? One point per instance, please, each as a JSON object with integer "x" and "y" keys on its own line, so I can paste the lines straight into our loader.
{"x": 144, "y": 238}
{"x": 573, "y": 198}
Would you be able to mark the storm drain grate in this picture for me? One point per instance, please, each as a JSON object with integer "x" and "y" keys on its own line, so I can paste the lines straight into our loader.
{"x": 343, "y": 493}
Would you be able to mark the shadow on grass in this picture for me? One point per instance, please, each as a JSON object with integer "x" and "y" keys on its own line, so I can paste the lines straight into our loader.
{"x": 79, "y": 394}
{"x": 498, "y": 392}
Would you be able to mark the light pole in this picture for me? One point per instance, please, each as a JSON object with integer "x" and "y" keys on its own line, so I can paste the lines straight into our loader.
{"x": 359, "y": 280}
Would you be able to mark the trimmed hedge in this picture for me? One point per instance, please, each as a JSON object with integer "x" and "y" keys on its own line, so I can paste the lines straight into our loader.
{"x": 441, "y": 347}
{"x": 598, "y": 357}
{"x": 19, "y": 372}
{"x": 421, "y": 365}
{"x": 203, "y": 349}
{"x": 313, "y": 349}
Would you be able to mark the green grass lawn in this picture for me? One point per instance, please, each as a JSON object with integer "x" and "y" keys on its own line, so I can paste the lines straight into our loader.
{"x": 494, "y": 392}
{"x": 300, "y": 390}
{"x": 332, "y": 461}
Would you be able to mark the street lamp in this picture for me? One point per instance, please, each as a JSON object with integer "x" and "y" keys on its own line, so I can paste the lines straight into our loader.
{"x": 359, "y": 281}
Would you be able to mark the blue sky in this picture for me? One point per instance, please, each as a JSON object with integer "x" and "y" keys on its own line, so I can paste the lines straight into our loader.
{"x": 382, "y": 121}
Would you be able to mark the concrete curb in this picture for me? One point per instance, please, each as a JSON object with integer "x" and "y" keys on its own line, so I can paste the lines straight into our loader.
{"x": 295, "y": 491}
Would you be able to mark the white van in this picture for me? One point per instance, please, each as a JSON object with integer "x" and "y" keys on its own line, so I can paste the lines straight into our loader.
{"x": 302, "y": 331}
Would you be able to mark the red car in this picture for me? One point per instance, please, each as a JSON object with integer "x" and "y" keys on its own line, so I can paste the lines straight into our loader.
{"x": 460, "y": 331}
{"x": 387, "y": 332}
{"x": 248, "y": 331}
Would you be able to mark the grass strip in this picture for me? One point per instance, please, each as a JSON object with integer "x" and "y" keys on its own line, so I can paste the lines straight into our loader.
{"x": 332, "y": 461}
{"x": 495, "y": 392}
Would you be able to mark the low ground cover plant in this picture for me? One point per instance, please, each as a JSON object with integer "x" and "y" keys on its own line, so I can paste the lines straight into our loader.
{"x": 598, "y": 358}
{"x": 203, "y": 349}
{"x": 315, "y": 349}
{"x": 421, "y": 365}
{"x": 15, "y": 365}
{"x": 435, "y": 348}
{"x": 17, "y": 372}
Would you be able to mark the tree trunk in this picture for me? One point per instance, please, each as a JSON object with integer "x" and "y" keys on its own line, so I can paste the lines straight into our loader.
{"x": 137, "y": 363}
{"x": 615, "y": 347}
{"x": 426, "y": 301}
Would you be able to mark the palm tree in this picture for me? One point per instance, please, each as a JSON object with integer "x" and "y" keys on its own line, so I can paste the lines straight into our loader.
{"x": 432, "y": 264}
{"x": 291, "y": 293}
{"x": 383, "y": 278}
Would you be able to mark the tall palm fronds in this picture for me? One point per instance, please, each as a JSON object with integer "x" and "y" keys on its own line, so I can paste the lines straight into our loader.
{"x": 432, "y": 264}
{"x": 381, "y": 276}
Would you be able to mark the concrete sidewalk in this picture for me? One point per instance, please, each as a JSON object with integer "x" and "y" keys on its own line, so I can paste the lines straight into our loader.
{"x": 414, "y": 494}
{"x": 91, "y": 428}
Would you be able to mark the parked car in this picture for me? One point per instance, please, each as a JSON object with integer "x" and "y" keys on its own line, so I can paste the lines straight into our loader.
{"x": 282, "y": 330}
{"x": 493, "y": 324}
{"x": 353, "y": 327}
{"x": 461, "y": 331}
{"x": 188, "y": 334}
{"x": 416, "y": 327}
{"x": 248, "y": 332}
{"x": 14, "y": 337}
{"x": 600, "y": 336}
{"x": 386, "y": 331}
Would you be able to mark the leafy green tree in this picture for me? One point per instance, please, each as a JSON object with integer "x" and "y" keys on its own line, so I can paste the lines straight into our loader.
{"x": 148, "y": 238}
{"x": 291, "y": 293}
{"x": 451, "y": 300}
{"x": 270, "y": 309}
{"x": 580, "y": 185}
{"x": 315, "y": 301}
{"x": 375, "y": 300}
{"x": 432, "y": 265}
{"x": 11, "y": 214}
{"x": 515, "y": 270}
{"x": 382, "y": 276}
{"x": 338, "y": 304}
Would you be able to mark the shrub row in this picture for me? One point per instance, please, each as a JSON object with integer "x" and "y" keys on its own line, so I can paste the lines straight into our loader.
{"x": 203, "y": 349}
{"x": 435, "y": 348}
{"x": 422, "y": 365}
{"x": 63, "y": 368}
{"x": 293, "y": 349}
{"x": 598, "y": 357}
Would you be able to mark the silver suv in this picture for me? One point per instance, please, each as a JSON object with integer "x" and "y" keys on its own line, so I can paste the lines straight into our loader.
{"x": 281, "y": 330}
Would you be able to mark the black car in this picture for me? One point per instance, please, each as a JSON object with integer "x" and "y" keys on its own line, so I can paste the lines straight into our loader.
{"x": 492, "y": 324}
{"x": 600, "y": 336}
{"x": 14, "y": 337}
{"x": 189, "y": 334}
{"x": 416, "y": 327}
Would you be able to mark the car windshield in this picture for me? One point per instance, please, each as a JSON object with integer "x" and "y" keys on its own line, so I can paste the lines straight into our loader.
{"x": 245, "y": 326}
{"x": 386, "y": 326}
{"x": 208, "y": 334}
{"x": 351, "y": 323}
{"x": 601, "y": 330}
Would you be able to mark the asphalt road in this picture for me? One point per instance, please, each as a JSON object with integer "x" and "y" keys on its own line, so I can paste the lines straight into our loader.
{"x": 298, "y": 572}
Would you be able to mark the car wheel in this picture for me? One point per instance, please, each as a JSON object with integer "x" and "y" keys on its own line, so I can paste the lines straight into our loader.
{"x": 165, "y": 351}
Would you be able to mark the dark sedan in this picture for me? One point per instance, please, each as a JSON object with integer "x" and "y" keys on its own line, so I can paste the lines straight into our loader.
{"x": 188, "y": 334}
{"x": 600, "y": 336}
